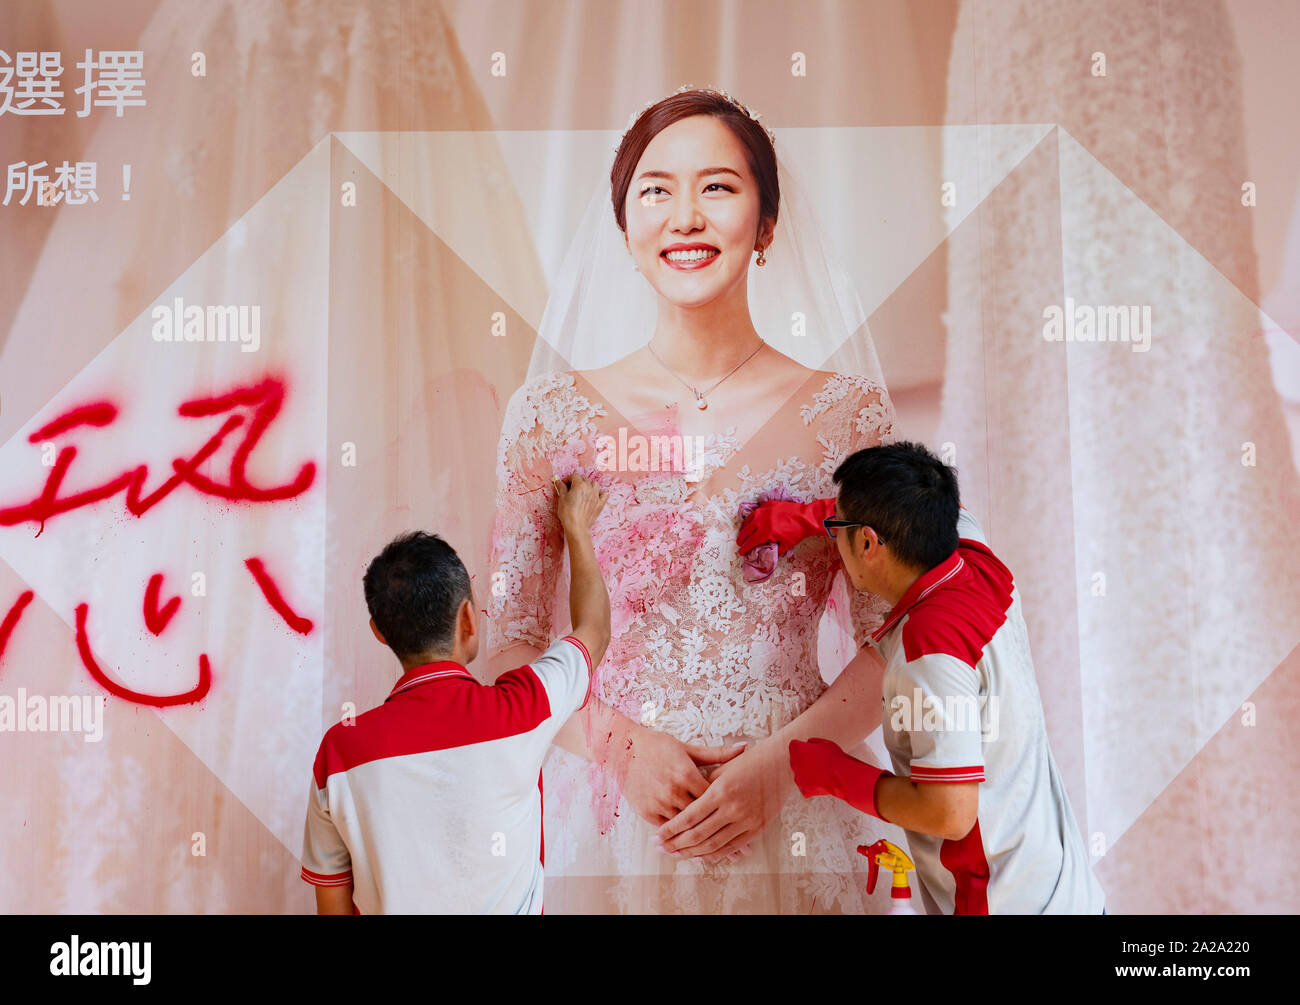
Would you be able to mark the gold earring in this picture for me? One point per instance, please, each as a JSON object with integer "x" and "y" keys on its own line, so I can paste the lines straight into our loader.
{"x": 761, "y": 260}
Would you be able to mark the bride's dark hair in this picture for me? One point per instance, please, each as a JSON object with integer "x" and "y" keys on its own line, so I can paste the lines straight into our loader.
{"x": 759, "y": 152}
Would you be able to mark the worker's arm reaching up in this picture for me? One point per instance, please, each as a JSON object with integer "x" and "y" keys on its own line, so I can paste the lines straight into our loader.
{"x": 578, "y": 503}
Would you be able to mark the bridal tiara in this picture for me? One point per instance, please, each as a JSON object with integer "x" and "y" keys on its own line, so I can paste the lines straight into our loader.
{"x": 631, "y": 119}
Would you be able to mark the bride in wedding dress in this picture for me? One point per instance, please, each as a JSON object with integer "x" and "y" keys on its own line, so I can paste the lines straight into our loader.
{"x": 652, "y": 378}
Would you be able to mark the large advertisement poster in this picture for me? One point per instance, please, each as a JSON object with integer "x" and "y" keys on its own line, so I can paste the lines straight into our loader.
{"x": 283, "y": 281}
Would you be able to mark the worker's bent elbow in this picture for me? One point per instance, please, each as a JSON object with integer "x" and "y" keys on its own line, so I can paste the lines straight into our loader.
{"x": 602, "y": 644}
{"x": 958, "y": 824}
{"x": 598, "y": 639}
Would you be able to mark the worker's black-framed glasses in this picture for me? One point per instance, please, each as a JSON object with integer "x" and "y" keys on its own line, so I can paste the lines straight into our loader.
{"x": 831, "y": 524}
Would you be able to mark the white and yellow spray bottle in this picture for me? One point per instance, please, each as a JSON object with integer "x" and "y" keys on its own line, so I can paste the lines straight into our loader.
{"x": 887, "y": 854}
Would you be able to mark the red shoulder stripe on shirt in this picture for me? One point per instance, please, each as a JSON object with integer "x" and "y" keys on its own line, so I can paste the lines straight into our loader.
{"x": 961, "y": 618}
{"x": 438, "y": 715}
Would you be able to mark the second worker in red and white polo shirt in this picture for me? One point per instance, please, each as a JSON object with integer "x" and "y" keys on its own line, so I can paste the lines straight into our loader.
{"x": 974, "y": 783}
{"x": 432, "y": 802}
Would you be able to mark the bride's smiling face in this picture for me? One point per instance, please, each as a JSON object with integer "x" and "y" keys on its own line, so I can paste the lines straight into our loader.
{"x": 693, "y": 198}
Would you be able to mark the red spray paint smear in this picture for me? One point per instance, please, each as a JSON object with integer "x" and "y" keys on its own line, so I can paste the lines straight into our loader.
{"x": 265, "y": 398}
{"x": 275, "y": 599}
{"x": 138, "y": 505}
{"x": 154, "y": 618}
{"x": 157, "y": 701}
{"x": 11, "y": 619}
{"x": 101, "y": 413}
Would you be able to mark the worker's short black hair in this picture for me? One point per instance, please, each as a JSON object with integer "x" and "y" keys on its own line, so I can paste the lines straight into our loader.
{"x": 907, "y": 495}
{"x": 414, "y": 589}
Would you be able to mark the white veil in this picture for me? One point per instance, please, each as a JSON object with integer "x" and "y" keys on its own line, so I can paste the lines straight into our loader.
{"x": 601, "y": 309}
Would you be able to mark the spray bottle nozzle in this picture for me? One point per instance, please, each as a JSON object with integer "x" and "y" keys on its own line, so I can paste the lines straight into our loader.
{"x": 887, "y": 854}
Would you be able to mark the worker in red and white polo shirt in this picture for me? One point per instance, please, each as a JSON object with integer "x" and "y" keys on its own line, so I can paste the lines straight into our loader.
{"x": 432, "y": 802}
{"x": 974, "y": 783}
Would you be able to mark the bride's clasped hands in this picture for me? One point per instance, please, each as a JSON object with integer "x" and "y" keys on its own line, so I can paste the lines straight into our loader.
{"x": 743, "y": 795}
{"x": 659, "y": 775}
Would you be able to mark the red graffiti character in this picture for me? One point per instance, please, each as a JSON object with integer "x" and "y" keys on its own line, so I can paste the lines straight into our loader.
{"x": 264, "y": 399}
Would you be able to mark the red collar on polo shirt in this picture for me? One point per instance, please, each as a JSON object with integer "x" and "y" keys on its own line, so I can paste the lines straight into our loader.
{"x": 925, "y": 583}
{"x": 426, "y": 672}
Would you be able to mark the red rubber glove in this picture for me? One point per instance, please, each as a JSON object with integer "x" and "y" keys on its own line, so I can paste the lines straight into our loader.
{"x": 821, "y": 768}
{"x": 786, "y": 523}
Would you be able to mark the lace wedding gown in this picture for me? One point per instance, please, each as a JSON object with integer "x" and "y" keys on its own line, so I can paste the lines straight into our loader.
{"x": 695, "y": 650}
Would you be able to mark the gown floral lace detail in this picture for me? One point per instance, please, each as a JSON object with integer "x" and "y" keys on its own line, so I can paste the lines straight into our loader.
{"x": 695, "y": 651}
